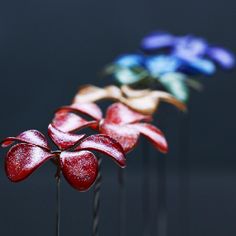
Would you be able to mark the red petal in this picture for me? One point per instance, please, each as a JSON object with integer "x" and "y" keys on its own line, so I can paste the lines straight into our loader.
{"x": 106, "y": 145}
{"x": 68, "y": 122}
{"x": 89, "y": 109}
{"x": 120, "y": 114}
{"x": 31, "y": 136}
{"x": 63, "y": 140}
{"x": 22, "y": 159}
{"x": 154, "y": 135}
{"x": 125, "y": 135}
{"x": 79, "y": 168}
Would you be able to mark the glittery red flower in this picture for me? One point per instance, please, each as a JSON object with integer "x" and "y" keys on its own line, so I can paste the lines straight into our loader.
{"x": 74, "y": 157}
{"x": 121, "y": 123}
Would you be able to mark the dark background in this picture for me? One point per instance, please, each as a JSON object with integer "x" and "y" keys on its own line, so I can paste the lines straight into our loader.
{"x": 48, "y": 48}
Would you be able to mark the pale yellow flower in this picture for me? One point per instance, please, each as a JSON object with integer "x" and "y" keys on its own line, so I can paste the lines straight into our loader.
{"x": 145, "y": 101}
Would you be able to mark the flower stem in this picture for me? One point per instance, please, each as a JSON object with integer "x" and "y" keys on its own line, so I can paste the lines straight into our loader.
{"x": 184, "y": 173}
{"x": 58, "y": 201}
{"x": 121, "y": 177}
{"x": 162, "y": 214}
{"x": 146, "y": 179}
{"x": 96, "y": 200}
{"x": 161, "y": 211}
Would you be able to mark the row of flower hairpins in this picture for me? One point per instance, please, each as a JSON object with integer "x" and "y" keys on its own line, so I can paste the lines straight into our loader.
{"x": 116, "y": 134}
{"x": 167, "y": 63}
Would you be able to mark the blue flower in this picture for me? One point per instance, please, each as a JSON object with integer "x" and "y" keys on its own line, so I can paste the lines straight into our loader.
{"x": 168, "y": 60}
{"x": 198, "y": 55}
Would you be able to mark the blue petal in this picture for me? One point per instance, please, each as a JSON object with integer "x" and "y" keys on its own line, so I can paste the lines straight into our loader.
{"x": 198, "y": 66}
{"x": 223, "y": 57}
{"x": 157, "y": 40}
{"x": 129, "y": 60}
{"x": 158, "y": 65}
{"x": 190, "y": 46}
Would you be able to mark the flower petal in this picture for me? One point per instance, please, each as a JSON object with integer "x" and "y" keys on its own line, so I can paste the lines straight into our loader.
{"x": 161, "y": 64}
{"x": 129, "y": 60}
{"x": 149, "y": 103}
{"x": 104, "y": 144}
{"x": 158, "y": 40}
{"x": 90, "y": 109}
{"x": 79, "y": 168}
{"x": 145, "y": 105}
{"x": 190, "y": 46}
{"x": 222, "y": 56}
{"x": 120, "y": 114}
{"x": 134, "y": 93}
{"x": 69, "y": 122}
{"x": 125, "y": 135}
{"x": 90, "y": 93}
{"x": 22, "y": 159}
{"x": 175, "y": 84}
{"x": 154, "y": 135}
{"x": 125, "y": 75}
{"x": 197, "y": 66}
{"x": 31, "y": 136}
{"x": 168, "y": 98}
{"x": 63, "y": 140}
{"x": 128, "y": 69}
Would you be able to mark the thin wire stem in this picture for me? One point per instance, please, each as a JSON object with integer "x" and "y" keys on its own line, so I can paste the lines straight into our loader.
{"x": 122, "y": 192}
{"x": 184, "y": 134}
{"x": 162, "y": 195}
{"x": 58, "y": 202}
{"x": 161, "y": 213}
{"x": 146, "y": 179}
{"x": 96, "y": 200}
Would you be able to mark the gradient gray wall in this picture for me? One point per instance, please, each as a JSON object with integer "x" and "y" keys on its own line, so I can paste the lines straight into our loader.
{"x": 48, "y": 48}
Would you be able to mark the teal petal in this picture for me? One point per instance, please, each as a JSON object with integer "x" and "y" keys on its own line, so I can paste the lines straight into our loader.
{"x": 129, "y": 76}
{"x": 175, "y": 84}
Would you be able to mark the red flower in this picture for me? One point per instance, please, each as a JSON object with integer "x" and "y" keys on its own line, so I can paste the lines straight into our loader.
{"x": 121, "y": 123}
{"x": 74, "y": 157}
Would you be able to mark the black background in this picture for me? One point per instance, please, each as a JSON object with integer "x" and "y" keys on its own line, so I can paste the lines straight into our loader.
{"x": 48, "y": 48}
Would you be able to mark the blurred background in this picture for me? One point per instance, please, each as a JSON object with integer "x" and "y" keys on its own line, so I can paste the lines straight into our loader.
{"x": 49, "y": 48}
